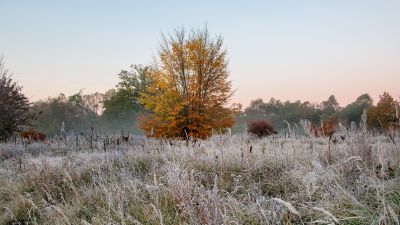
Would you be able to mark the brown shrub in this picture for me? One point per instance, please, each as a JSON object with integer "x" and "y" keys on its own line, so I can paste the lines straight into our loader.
{"x": 260, "y": 128}
{"x": 33, "y": 135}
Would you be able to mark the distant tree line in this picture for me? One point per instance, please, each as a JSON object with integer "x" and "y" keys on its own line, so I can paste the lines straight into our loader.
{"x": 119, "y": 110}
{"x": 380, "y": 117}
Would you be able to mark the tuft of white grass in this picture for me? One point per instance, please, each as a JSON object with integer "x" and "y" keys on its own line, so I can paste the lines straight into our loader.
{"x": 289, "y": 206}
{"x": 327, "y": 213}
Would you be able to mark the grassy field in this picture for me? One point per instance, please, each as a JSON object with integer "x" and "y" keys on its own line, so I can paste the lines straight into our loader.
{"x": 223, "y": 180}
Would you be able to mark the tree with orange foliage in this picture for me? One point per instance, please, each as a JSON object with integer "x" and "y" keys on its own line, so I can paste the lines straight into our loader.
{"x": 190, "y": 87}
{"x": 383, "y": 115}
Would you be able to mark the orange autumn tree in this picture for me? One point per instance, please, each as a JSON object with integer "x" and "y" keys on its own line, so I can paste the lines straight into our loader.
{"x": 190, "y": 87}
{"x": 385, "y": 114}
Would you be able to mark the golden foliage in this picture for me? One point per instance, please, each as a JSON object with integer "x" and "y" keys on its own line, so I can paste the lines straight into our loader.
{"x": 189, "y": 88}
{"x": 384, "y": 115}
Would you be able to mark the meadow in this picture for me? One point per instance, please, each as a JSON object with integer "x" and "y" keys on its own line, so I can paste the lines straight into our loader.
{"x": 226, "y": 179}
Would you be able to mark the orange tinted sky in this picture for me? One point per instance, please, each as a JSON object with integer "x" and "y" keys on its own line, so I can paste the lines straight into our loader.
{"x": 289, "y": 50}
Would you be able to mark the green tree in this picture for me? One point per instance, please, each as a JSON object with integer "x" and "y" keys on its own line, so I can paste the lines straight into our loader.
{"x": 329, "y": 108}
{"x": 122, "y": 106}
{"x": 352, "y": 112}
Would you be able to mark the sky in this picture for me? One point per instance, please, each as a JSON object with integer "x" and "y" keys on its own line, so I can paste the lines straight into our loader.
{"x": 289, "y": 50}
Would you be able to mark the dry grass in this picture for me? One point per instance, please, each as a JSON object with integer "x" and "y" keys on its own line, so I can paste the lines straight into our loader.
{"x": 223, "y": 180}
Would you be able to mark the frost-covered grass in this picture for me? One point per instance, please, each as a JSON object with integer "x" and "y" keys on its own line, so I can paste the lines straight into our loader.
{"x": 223, "y": 180}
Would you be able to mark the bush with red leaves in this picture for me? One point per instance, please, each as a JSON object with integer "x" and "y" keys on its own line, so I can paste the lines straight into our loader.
{"x": 260, "y": 128}
{"x": 33, "y": 135}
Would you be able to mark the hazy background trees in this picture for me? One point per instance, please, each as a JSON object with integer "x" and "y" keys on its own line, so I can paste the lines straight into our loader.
{"x": 78, "y": 112}
{"x": 276, "y": 111}
{"x": 353, "y": 111}
{"x": 330, "y": 108}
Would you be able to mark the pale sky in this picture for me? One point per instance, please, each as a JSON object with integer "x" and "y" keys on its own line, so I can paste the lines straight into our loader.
{"x": 288, "y": 50}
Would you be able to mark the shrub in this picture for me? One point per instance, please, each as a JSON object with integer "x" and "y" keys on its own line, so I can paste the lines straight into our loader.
{"x": 32, "y": 135}
{"x": 260, "y": 128}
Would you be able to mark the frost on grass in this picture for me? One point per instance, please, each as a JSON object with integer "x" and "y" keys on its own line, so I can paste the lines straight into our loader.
{"x": 223, "y": 180}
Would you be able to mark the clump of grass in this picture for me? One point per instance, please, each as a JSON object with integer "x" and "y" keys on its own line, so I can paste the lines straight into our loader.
{"x": 10, "y": 151}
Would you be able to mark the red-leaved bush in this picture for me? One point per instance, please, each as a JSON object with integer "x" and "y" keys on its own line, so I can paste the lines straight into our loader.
{"x": 33, "y": 135}
{"x": 260, "y": 128}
